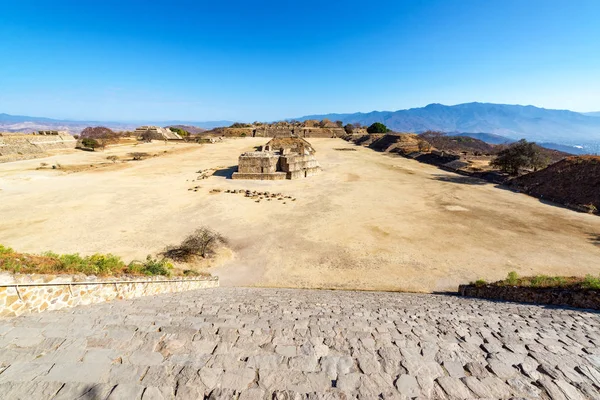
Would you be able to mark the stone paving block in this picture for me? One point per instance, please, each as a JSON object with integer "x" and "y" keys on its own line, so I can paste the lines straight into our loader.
{"x": 79, "y": 372}
{"x": 158, "y": 393}
{"x": 29, "y": 390}
{"x": 501, "y": 369}
{"x": 126, "y": 391}
{"x": 407, "y": 385}
{"x": 140, "y": 357}
{"x": 569, "y": 390}
{"x": 455, "y": 369}
{"x": 99, "y": 356}
{"x": 239, "y": 379}
{"x": 552, "y": 390}
{"x": 74, "y": 390}
{"x": 454, "y": 388}
{"x": 25, "y": 372}
{"x": 522, "y": 386}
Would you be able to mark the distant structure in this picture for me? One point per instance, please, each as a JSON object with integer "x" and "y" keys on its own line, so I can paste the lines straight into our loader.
{"x": 20, "y": 146}
{"x": 52, "y": 133}
{"x": 280, "y": 158}
{"x": 148, "y": 132}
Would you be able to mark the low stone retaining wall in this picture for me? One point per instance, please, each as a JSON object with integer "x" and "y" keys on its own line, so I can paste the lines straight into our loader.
{"x": 558, "y": 297}
{"x": 20, "y": 294}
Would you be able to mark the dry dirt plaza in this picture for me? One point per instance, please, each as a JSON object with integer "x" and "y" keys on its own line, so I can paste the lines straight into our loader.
{"x": 367, "y": 221}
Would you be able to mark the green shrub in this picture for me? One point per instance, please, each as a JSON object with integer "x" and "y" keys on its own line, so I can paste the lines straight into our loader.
{"x": 512, "y": 279}
{"x": 104, "y": 264}
{"x": 480, "y": 282}
{"x": 190, "y": 272}
{"x": 591, "y": 282}
{"x": 90, "y": 143}
{"x": 151, "y": 266}
{"x": 5, "y": 250}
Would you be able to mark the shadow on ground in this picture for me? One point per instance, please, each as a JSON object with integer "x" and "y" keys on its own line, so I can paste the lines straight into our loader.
{"x": 226, "y": 172}
{"x": 463, "y": 180}
{"x": 595, "y": 238}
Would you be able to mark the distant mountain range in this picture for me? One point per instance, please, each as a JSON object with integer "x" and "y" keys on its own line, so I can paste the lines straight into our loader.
{"x": 493, "y": 123}
{"x": 21, "y": 123}
{"x": 511, "y": 121}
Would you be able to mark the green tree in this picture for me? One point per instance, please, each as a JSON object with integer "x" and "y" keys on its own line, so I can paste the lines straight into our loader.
{"x": 90, "y": 143}
{"x": 520, "y": 155}
{"x": 349, "y": 128}
{"x": 377, "y": 127}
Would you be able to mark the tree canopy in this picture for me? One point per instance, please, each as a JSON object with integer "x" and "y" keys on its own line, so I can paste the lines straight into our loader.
{"x": 377, "y": 127}
{"x": 518, "y": 156}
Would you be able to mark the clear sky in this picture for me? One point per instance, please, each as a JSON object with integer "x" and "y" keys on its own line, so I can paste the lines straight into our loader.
{"x": 265, "y": 60}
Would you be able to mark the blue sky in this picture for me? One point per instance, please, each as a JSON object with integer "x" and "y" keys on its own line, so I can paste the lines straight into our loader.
{"x": 266, "y": 60}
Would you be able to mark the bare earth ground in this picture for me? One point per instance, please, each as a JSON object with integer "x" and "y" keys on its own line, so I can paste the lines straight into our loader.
{"x": 368, "y": 221}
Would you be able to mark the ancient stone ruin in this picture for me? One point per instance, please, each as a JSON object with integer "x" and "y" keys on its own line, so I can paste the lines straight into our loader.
{"x": 156, "y": 133}
{"x": 280, "y": 158}
{"x": 18, "y": 146}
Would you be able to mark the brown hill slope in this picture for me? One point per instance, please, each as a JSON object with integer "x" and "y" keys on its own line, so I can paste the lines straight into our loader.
{"x": 574, "y": 181}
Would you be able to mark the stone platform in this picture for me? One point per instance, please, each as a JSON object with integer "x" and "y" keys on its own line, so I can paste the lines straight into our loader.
{"x": 235, "y": 343}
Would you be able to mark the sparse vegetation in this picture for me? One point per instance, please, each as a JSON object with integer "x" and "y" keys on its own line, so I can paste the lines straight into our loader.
{"x": 378, "y": 127}
{"x": 181, "y": 132}
{"x": 588, "y": 282}
{"x": 96, "y": 264}
{"x": 151, "y": 266}
{"x": 202, "y": 242}
{"x": 137, "y": 156}
{"x": 240, "y": 125}
{"x": 114, "y": 159}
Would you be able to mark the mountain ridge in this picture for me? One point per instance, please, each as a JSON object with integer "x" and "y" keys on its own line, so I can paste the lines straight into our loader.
{"x": 512, "y": 121}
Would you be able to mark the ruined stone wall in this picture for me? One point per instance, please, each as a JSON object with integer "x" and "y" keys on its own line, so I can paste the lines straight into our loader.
{"x": 273, "y": 132}
{"x": 21, "y": 294}
{"x": 554, "y": 296}
{"x": 298, "y": 162}
{"x": 258, "y": 163}
{"x": 321, "y": 132}
{"x": 20, "y": 147}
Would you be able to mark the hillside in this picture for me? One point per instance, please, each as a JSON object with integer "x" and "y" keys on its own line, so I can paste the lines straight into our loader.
{"x": 484, "y": 137}
{"x": 513, "y": 121}
{"x": 574, "y": 181}
{"x": 28, "y": 124}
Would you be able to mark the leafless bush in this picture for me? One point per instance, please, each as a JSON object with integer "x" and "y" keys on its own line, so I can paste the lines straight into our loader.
{"x": 202, "y": 242}
{"x": 112, "y": 158}
{"x": 136, "y": 156}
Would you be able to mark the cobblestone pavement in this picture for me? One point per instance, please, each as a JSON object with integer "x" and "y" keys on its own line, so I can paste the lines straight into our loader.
{"x": 301, "y": 344}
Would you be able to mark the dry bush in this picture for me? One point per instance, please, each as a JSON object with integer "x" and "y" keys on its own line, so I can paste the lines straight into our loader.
{"x": 202, "y": 242}
{"x": 136, "y": 156}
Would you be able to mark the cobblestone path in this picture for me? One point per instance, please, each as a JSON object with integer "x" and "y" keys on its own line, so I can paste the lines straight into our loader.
{"x": 241, "y": 343}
